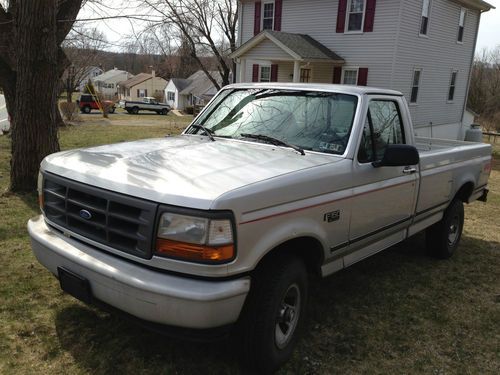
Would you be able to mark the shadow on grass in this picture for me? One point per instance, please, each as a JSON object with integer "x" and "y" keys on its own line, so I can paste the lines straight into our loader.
{"x": 382, "y": 310}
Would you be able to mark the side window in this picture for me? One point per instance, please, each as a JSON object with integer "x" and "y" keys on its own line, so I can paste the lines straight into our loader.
{"x": 383, "y": 127}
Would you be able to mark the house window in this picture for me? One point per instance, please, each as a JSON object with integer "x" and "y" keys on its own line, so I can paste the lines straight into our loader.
{"x": 415, "y": 85}
{"x": 350, "y": 76}
{"x": 170, "y": 96}
{"x": 265, "y": 74}
{"x": 453, "y": 81}
{"x": 424, "y": 23}
{"x": 355, "y": 15}
{"x": 305, "y": 75}
{"x": 461, "y": 23}
{"x": 268, "y": 16}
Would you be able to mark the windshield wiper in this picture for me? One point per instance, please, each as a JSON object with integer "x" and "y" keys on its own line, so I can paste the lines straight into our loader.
{"x": 208, "y": 132}
{"x": 274, "y": 141}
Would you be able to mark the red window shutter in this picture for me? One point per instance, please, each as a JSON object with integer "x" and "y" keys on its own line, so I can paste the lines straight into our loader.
{"x": 256, "y": 25}
{"x": 370, "y": 15}
{"x": 341, "y": 16}
{"x": 362, "y": 76}
{"x": 145, "y": 92}
{"x": 278, "y": 9}
{"x": 255, "y": 73}
{"x": 337, "y": 74}
{"x": 274, "y": 73}
{"x": 138, "y": 93}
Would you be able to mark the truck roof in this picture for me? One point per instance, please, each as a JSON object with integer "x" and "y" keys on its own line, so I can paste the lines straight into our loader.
{"x": 345, "y": 89}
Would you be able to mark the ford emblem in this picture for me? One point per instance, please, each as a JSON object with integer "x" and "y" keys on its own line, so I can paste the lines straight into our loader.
{"x": 84, "y": 214}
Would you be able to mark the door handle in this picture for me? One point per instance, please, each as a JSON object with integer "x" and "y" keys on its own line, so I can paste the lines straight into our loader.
{"x": 410, "y": 170}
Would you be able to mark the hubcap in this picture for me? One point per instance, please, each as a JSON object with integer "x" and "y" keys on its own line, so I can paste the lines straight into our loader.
{"x": 288, "y": 316}
{"x": 453, "y": 231}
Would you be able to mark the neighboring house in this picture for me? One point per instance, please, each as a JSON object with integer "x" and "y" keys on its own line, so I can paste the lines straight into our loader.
{"x": 106, "y": 83}
{"x": 88, "y": 74}
{"x": 4, "y": 116}
{"x": 198, "y": 89}
{"x": 423, "y": 48}
{"x": 140, "y": 86}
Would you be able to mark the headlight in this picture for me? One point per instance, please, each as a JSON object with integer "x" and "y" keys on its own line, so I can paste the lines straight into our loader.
{"x": 195, "y": 238}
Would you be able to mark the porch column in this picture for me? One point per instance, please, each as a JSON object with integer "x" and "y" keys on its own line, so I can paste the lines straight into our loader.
{"x": 243, "y": 69}
{"x": 296, "y": 71}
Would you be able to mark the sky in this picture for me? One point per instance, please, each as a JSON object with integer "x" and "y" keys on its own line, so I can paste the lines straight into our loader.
{"x": 116, "y": 30}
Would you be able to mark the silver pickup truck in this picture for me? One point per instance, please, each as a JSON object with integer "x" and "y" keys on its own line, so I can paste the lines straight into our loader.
{"x": 270, "y": 183}
{"x": 147, "y": 104}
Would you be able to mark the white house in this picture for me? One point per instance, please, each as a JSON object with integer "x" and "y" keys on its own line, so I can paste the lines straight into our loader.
{"x": 4, "y": 116}
{"x": 140, "y": 86}
{"x": 198, "y": 89}
{"x": 88, "y": 73}
{"x": 423, "y": 48}
{"x": 106, "y": 83}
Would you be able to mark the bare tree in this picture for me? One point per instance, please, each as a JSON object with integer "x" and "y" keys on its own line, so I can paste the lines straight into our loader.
{"x": 207, "y": 27}
{"x": 31, "y": 64}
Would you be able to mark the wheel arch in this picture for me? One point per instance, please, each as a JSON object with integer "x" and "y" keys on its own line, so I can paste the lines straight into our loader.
{"x": 465, "y": 191}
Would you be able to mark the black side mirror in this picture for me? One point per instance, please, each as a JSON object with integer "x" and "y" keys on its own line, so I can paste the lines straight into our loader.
{"x": 398, "y": 156}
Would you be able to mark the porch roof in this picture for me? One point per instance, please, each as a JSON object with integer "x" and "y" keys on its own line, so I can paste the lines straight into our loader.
{"x": 299, "y": 46}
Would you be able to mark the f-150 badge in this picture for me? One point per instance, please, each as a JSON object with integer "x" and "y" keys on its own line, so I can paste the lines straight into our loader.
{"x": 330, "y": 217}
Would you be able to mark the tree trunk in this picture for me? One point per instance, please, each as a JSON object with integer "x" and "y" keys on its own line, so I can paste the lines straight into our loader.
{"x": 34, "y": 125}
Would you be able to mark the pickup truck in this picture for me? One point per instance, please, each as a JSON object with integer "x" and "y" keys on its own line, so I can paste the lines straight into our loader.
{"x": 221, "y": 226}
{"x": 147, "y": 104}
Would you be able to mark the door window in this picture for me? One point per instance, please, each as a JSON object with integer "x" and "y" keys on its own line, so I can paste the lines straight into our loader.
{"x": 383, "y": 126}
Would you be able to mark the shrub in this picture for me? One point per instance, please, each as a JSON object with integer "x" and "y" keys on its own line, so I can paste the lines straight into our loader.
{"x": 69, "y": 111}
{"x": 189, "y": 110}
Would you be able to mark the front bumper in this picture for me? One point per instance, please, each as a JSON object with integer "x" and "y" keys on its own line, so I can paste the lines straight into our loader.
{"x": 146, "y": 294}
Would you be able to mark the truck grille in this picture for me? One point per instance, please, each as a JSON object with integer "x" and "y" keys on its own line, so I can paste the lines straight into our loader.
{"x": 115, "y": 220}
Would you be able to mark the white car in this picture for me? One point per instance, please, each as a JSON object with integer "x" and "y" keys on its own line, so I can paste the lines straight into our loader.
{"x": 4, "y": 116}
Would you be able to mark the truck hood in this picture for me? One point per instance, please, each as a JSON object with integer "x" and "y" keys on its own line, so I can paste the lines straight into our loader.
{"x": 187, "y": 170}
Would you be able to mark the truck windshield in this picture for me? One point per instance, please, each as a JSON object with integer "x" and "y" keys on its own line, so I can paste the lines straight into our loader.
{"x": 314, "y": 121}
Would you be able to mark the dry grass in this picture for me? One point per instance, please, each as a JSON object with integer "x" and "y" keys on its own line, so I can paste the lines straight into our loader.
{"x": 399, "y": 312}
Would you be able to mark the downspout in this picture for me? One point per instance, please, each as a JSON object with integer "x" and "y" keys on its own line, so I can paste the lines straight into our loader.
{"x": 470, "y": 71}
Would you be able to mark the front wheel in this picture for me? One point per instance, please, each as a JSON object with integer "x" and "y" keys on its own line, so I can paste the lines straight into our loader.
{"x": 135, "y": 110}
{"x": 86, "y": 109}
{"x": 274, "y": 313}
{"x": 442, "y": 238}
{"x": 164, "y": 111}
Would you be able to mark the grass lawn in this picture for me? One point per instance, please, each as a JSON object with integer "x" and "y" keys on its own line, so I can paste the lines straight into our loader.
{"x": 399, "y": 312}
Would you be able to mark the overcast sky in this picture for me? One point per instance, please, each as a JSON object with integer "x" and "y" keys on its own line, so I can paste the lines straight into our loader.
{"x": 114, "y": 30}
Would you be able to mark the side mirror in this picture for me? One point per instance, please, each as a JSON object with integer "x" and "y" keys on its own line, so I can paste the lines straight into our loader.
{"x": 398, "y": 156}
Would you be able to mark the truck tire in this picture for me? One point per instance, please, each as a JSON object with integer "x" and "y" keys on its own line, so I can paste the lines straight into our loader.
{"x": 87, "y": 109}
{"x": 274, "y": 313}
{"x": 164, "y": 111}
{"x": 442, "y": 238}
{"x": 135, "y": 110}
{"x": 112, "y": 110}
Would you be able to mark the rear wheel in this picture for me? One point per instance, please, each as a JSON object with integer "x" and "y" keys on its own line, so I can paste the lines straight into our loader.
{"x": 164, "y": 111}
{"x": 86, "y": 109}
{"x": 443, "y": 237}
{"x": 274, "y": 313}
{"x": 135, "y": 110}
{"x": 112, "y": 110}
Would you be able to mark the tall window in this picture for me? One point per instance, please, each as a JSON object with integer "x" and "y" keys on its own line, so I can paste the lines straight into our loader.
{"x": 171, "y": 96}
{"x": 350, "y": 76}
{"x": 424, "y": 23}
{"x": 355, "y": 15}
{"x": 265, "y": 74}
{"x": 415, "y": 85}
{"x": 268, "y": 16}
{"x": 461, "y": 23}
{"x": 305, "y": 75}
{"x": 453, "y": 81}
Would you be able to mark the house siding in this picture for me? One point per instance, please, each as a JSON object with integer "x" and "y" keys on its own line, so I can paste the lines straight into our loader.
{"x": 269, "y": 50}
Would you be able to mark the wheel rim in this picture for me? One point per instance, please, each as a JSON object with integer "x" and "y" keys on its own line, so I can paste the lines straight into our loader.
{"x": 287, "y": 317}
{"x": 453, "y": 230}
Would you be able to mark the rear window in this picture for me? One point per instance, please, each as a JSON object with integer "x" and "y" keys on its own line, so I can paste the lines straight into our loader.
{"x": 86, "y": 98}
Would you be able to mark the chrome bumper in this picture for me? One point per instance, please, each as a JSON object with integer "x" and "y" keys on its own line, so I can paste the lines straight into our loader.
{"x": 144, "y": 293}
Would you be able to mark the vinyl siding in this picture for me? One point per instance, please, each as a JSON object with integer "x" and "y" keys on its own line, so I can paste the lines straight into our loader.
{"x": 268, "y": 50}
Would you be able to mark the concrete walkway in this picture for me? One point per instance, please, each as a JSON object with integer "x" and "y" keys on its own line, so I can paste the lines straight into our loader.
{"x": 177, "y": 112}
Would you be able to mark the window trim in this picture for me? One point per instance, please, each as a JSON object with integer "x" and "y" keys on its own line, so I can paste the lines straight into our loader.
{"x": 260, "y": 72}
{"x": 347, "y": 13}
{"x": 356, "y": 68}
{"x": 426, "y": 35}
{"x": 418, "y": 86}
{"x": 452, "y": 100}
{"x": 460, "y": 21}
{"x": 264, "y": 3}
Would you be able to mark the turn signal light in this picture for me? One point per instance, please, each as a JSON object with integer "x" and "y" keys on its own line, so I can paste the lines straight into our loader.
{"x": 194, "y": 252}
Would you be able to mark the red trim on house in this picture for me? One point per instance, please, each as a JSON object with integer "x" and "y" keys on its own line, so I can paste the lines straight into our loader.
{"x": 278, "y": 10}
{"x": 256, "y": 25}
{"x": 337, "y": 74}
{"x": 341, "y": 16}
{"x": 255, "y": 73}
{"x": 362, "y": 76}
{"x": 274, "y": 73}
{"x": 370, "y": 15}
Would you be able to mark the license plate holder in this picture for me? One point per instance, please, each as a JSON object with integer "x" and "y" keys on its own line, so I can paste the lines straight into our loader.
{"x": 75, "y": 285}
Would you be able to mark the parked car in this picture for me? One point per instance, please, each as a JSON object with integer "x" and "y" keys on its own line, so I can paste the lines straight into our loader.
{"x": 4, "y": 116}
{"x": 270, "y": 183}
{"x": 147, "y": 104}
{"x": 88, "y": 102}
